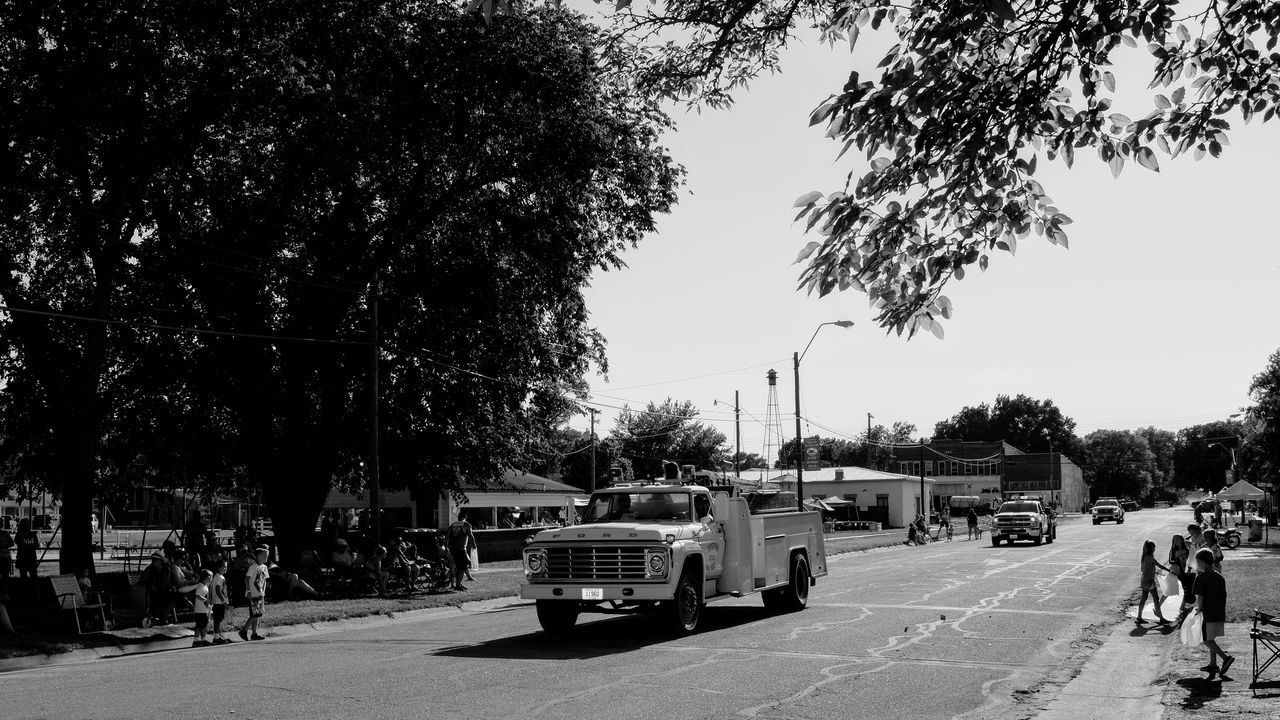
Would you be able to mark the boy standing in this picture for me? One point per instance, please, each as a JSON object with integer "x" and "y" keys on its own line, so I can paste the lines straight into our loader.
{"x": 1211, "y": 600}
{"x": 255, "y": 588}
{"x": 220, "y": 598}
{"x": 202, "y": 607}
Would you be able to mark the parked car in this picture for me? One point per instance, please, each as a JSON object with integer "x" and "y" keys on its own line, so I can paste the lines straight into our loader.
{"x": 1130, "y": 505}
{"x": 1108, "y": 509}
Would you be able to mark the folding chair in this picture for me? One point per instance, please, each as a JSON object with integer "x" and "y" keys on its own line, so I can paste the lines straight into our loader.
{"x": 70, "y": 597}
{"x": 1269, "y": 640}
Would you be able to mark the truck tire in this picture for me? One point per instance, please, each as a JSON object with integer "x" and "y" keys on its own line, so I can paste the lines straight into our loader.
{"x": 1039, "y": 539}
{"x": 684, "y": 611}
{"x": 1120, "y": 521}
{"x": 795, "y": 596}
{"x": 1053, "y": 535}
{"x": 995, "y": 541}
{"x": 557, "y": 617}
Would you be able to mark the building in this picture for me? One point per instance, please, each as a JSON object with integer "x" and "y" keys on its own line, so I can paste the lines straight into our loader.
{"x": 993, "y": 470}
{"x": 892, "y": 499}
{"x": 1050, "y": 476}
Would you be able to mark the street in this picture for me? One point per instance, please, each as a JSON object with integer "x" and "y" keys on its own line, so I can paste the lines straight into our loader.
{"x": 958, "y": 629}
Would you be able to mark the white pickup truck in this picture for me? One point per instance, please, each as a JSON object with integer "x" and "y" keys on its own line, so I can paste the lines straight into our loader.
{"x": 672, "y": 548}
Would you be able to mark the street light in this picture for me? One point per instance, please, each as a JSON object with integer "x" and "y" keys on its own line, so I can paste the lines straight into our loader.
{"x": 799, "y": 441}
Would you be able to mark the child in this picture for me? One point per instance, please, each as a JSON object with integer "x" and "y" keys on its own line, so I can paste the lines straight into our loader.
{"x": 1149, "y": 565}
{"x": 1211, "y": 544}
{"x": 201, "y": 595}
{"x": 220, "y": 598}
{"x": 1211, "y": 602}
{"x": 255, "y": 589}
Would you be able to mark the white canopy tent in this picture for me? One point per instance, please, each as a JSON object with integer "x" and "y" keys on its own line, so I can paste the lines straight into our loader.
{"x": 1242, "y": 490}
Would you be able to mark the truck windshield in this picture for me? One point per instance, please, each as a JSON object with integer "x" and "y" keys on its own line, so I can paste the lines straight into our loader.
{"x": 1022, "y": 507}
{"x": 637, "y": 506}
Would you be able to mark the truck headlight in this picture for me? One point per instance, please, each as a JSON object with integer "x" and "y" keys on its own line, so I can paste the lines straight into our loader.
{"x": 535, "y": 562}
{"x": 655, "y": 563}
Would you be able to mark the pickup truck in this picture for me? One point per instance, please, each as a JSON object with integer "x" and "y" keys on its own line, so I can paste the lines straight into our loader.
{"x": 671, "y": 548}
{"x": 1023, "y": 519}
{"x": 1108, "y": 509}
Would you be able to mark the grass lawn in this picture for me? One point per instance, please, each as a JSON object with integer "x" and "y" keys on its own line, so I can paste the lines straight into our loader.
{"x": 1252, "y": 582}
{"x": 493, "y": 581}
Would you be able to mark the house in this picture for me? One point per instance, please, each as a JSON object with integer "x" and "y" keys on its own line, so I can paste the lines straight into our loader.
{"x": 892, "y": 499}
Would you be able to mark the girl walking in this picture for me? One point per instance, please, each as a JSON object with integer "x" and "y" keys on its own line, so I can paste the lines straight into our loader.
{"x": 1149, "y": 565}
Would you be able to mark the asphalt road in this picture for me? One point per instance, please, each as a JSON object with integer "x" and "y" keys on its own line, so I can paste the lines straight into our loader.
{"x": 957, "y": 629}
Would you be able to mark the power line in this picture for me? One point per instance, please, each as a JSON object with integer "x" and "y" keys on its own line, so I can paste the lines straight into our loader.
{"x": 179, "y": 328}
{"x": 699, "y": 377}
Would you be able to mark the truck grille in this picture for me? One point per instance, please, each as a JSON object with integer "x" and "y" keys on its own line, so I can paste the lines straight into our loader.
{"x": 624, "y": 562}
{"x": 1013, "y": 522}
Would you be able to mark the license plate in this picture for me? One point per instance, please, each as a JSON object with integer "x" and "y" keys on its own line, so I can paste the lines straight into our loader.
{"x": 592, "y": 593}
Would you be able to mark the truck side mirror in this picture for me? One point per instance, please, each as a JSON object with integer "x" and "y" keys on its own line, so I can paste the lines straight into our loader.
{"x": 720, "y": 506}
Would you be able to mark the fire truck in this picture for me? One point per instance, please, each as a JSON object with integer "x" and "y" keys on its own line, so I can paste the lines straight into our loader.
{"x": 671, "y": 547}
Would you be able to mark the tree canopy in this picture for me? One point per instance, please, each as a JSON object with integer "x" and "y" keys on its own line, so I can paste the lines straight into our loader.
{"x": 668, "y": 431}
{"x": 970, "y": 100}
{"x": 1262, "y": 423}
{"x": 1117, "y": 463}
{"x": 1024, "y": 422}
{"x": 263, "y": 170}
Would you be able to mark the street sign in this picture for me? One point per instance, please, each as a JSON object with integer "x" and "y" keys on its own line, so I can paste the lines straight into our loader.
{"x": 812, "y": 453}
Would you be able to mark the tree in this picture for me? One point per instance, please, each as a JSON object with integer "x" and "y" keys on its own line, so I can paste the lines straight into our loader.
{"x": 1202, "y": 454}
{"x": 1262, "y": 425}
{"x": 667, "y": 431}
{"x": 971, "y": 97}
{"x": 1023, "y": 422}
{"x": 831, "y": 452}
{"x": 1162, "y": 444}
{"x": 1117, "y": 463}
{"x": 264, "y": 170}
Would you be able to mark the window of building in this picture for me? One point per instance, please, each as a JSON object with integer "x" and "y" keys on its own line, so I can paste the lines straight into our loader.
{"x": 904, "y": 468}
{"x": 928, "y": 467}
{"x": 955, "y": 467}
{"x": 882, "y": 501}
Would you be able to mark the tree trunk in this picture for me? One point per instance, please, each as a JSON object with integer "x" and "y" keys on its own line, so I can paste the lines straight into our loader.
{"x": 294, "y": 506}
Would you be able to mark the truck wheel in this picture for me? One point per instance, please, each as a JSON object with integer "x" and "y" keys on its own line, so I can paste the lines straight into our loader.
{"x": 995, "y": 541}
{"x": 795, "y": 596}
{"x": 557, "y": 617}
{"x": 1120, "y": 521}
{"x": 685, "y": 608}
{"x": 1039, "y": 539}
{"x": 1053, "y": 535}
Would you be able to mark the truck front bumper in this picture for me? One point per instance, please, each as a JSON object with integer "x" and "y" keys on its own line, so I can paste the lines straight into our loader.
{"x": 595, "y": 593}
{"x": 1015, "y": 533}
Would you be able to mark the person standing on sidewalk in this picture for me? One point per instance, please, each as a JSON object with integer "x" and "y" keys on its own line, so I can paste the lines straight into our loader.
{"x": 200, "y": 597}
{"x": 220, "y": 599}
{"x": 972, "y": 518}
{"x": 255, "y": 588}
{"x": 1149, "y": 565}
{"x": 28, "y": 544}
{"x": 461, "y": 538}
{"x": 1211, "y": 600}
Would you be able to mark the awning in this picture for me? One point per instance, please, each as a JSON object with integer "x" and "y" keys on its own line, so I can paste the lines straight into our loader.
{"x": 836, "y": 501}
{"x": 1242, "y": 490}
{"x": 817, "y": 504}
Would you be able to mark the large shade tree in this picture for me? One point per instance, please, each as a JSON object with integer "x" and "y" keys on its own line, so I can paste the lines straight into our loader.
{"x": 668, "y": 431}
{"x": 267, "y": 169}
{"x": 1117, "y": 463}
{"x": 1022, "y": 421}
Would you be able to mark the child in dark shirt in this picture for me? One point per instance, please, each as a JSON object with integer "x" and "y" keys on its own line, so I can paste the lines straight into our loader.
{"x": 1211, "y": 601}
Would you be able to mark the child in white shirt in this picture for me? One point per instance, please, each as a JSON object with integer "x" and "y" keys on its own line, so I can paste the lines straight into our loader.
{"x": 221, "y": 601}
{"x": 201, "y": 598}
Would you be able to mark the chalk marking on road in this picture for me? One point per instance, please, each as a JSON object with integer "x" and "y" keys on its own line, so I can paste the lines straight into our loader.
{"x": 986, "y": 691}
{"x": 823, "y": 626}
{"x": 830, "y": 677}
{"x": 947, "y": 608}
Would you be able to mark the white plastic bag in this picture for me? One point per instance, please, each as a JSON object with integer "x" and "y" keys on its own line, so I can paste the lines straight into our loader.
{"x": 1172, "y": 586}
{"x": 1193, "y": 630}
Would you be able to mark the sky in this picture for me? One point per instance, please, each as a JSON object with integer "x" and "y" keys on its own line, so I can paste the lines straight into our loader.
{"x": 1160, "y": 313}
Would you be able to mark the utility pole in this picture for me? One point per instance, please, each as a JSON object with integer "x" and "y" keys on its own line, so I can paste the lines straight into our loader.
{"x": 593, "y": 412}
{"x": 737, "y": 435}
{"x": 799, "y": 442}
{"x": 924, "y": 510}
{"x": 375, "y": 479}
{"x": 868, "y": 442}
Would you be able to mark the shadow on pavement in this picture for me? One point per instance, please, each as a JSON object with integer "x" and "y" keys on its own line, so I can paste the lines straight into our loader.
{"x": 1144, "y": 630}
{"x": 1273, "y": 685}
{"x": 599, "y": 638}
{"x": 1200, "y": 692}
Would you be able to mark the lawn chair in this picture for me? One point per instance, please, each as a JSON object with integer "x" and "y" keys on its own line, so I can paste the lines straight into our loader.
{"x": 1266, "y": 644}
{"x": 72, "y": 598}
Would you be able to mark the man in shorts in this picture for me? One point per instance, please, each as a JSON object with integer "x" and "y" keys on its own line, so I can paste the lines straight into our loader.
{"x": 255, "y": 590}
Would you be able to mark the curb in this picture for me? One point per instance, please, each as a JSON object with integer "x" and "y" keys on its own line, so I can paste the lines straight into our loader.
{"x": 280, "y": 632}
